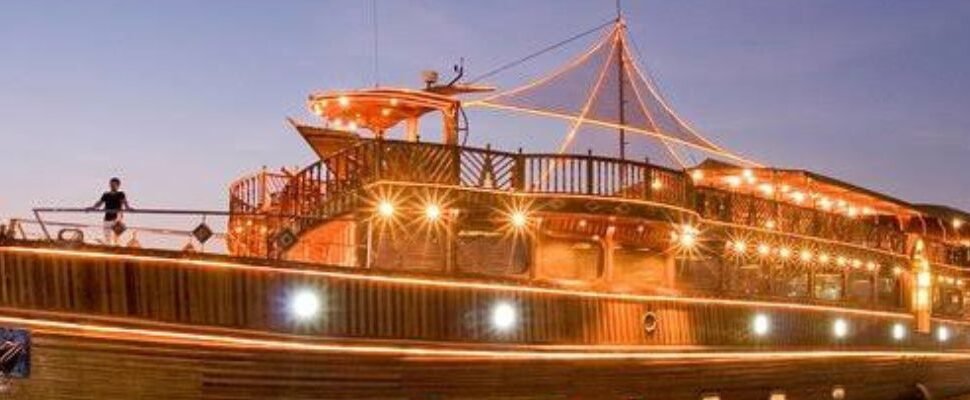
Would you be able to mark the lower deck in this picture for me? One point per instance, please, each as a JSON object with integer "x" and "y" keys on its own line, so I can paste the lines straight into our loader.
{"x": 180, "y": 326}
{"x": 72, "y": 366}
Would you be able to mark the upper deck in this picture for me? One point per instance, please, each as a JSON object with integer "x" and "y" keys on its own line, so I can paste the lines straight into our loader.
{"x": 598, "y": 222}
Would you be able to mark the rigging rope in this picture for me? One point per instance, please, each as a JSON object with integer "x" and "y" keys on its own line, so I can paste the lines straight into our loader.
{"x": 547, "y": 49}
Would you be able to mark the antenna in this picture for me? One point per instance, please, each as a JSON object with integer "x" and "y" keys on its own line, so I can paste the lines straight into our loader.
{"x": 619, "y": 10}
{"x": 377, "y": 63}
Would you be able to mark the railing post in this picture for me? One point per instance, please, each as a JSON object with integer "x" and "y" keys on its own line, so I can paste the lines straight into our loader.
{"x": 589, "y": 171}
{"x": 518, "y": 171}
{"x": 456, "y": 165}
{"x": 647, "y": 180}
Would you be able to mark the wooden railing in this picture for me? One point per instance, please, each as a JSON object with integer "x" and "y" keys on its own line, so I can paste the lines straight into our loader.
{"x": 328, "y": 187}
{"x": 748, "y": 210}
{"x": 254, "y": 203}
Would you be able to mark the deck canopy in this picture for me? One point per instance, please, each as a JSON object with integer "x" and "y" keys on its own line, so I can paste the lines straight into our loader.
{"x": 380, "y": 109}
{"x": 949, "y": 222}
{"x": 802, "y": 188}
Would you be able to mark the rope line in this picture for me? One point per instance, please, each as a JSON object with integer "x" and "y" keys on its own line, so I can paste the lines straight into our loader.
{"x": 545, "y": 50}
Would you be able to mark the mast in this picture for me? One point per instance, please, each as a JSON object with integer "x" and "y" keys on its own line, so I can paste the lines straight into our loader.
{"x": 619, "y": 77}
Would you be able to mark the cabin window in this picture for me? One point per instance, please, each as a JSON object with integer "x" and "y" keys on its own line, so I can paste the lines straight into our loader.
{"x": 750, "y": 279}
{"x": 639, "y": 267}
{"x": 421, "y": 249}
{"x": 790, "y": 281}
{"x": 701, "y": 274}
{"x": 489, "y": 252}
{"x": 888, "y": 288}
{"x": 860, "y": 286}
{"x": 828, "y": 285}
{"x": 949, "y": 300}
{"x": 571, "y": 259}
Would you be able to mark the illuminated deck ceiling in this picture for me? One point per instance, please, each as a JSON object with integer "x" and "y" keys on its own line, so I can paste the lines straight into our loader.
{"x": 800, "y": 187}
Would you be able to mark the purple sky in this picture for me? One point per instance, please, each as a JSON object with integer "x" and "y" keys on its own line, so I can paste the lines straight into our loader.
{"x": 180, "y": 97}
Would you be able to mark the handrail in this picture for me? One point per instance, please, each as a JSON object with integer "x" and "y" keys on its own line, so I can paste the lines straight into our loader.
{"x": 202, "y": 213}
{"x": 318, "y": 189}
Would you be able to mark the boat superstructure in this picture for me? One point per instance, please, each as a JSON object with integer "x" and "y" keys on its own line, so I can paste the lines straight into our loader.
{"x": 409, "y": 267}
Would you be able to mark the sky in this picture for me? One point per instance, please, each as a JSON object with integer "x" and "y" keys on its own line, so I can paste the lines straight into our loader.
{"x": 179, "y": 98}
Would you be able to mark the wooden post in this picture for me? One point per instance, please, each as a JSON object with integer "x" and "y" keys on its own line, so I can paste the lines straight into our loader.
{"x": 518, "y": 171}
{"x": 411, "y": 129}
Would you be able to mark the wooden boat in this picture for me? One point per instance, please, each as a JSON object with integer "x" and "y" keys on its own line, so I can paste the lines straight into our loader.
{"x": 401, "y": 268}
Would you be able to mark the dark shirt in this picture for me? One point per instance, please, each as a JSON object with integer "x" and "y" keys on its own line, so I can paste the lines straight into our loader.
{"x": 112, "y": 204}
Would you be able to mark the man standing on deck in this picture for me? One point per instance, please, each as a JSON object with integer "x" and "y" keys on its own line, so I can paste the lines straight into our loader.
{"x": 113, "y": 201}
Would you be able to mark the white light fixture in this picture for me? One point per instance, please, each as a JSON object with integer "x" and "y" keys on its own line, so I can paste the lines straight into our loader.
{"x": 899, "y": 331}
{"x": 838, "y": 393}
{"x": 840, "y": 328}
{"x": 304, "y": 304}
{"x": 761, "y": 325}
{"x": 777, "y": 395}
{"x": 942, "y": 334}
{"x": 504, "y": 316}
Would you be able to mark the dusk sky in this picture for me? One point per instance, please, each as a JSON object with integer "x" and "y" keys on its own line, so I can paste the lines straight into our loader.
{"x": 178, "y": 98}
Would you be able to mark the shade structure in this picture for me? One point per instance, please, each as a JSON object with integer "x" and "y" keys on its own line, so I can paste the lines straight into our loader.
{"x": 605, "y": 89}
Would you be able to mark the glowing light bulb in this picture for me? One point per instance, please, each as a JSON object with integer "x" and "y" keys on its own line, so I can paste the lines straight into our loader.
{"x": 656, "y": 184}
{"x": 305, "y": 304}
{"x": 733, "y": 181}
{"x": 840, "y": 328}
{"x": 764, "y": 249}
{"x": 823, "y": 258}
{"x": 697, "y": 175}
{"x": 432, "y": 212}
{"x": 825, "y": 204}
{"x": 767, "y": 189}
{"x": 943, "y": 334}
{"x": 519, "y": 219}
{"x": 761, "y": 325}
{"x": 748, "y": 176}
{"x": 899, "y": 331}
{"x": 740, "y": 246}
{"x": 343, "y": 101}
{"x": 798, "y": 197}
{"x": 688, "y": 236}
{"x": 805, "y": 256}
{"x": 385, "y": 209}
{"x": 784, "y": 252}
{"x": 504, "y": 316}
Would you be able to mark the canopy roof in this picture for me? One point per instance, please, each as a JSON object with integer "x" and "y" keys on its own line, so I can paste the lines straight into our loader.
{"x": 377, "y": 109}
{"x": 800, "y": 187}
{"x": 605, "y": 88}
